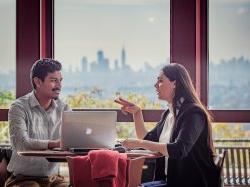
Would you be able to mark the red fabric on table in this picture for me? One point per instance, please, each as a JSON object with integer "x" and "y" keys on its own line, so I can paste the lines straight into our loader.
{"x": 100, "y": 168}
{"x": 109, "y": 167}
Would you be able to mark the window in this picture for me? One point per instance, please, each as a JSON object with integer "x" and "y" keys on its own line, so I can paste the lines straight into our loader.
{"x": 8, "y": 55}
{"x": 8, "y": 59}
{"x": 231, "y": 131}
{"x": 229, "y": 54}
{"x": 111, "y": 48}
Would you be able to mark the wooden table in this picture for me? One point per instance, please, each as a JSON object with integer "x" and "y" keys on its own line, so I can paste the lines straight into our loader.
{"x": 136, "y": 164}
{"x": 60, "y": 156}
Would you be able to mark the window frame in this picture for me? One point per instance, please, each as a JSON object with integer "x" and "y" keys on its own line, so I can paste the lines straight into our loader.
{"x": 188, "y": 46}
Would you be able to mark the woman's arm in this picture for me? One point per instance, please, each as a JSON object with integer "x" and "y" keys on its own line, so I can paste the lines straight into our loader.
{"x": 135, "y": 110}
{"x": 145, "y": 144}
{"x": 139, "y": 125}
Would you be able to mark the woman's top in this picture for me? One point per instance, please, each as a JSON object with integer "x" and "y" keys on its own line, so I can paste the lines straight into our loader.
{"x": 190, "y": 161}
{"x": 167, "y": 131}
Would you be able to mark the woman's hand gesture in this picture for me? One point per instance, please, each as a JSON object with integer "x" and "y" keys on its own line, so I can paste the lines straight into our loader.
{"x": 127, "y": 106}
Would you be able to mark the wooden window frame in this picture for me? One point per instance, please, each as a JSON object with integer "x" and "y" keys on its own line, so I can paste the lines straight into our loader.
{"x": 188, "y": 46}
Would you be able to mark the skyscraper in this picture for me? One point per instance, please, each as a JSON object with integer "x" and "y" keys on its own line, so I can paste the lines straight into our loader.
{"x": 84, "y": 64}
{"x": 123, "y": 58}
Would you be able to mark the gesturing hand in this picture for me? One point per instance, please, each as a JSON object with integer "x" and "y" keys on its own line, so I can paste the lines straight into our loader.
{"x": 127, "y": 106}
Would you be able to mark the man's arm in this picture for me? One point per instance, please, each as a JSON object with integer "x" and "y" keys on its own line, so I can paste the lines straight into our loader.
{"x": 19, "y": 133}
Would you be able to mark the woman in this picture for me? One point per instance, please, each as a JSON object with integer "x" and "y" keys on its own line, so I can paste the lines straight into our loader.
{"x": 183, "y": 134}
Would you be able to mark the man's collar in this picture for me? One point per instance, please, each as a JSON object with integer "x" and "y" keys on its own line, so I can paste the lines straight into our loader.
{"x": 34, "y": 102}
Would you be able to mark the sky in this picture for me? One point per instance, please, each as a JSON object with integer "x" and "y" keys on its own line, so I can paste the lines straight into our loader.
{"x": 141, "y": 26}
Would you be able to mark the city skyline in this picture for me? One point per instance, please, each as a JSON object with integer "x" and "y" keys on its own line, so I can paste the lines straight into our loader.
{"x": 103, "y": 63}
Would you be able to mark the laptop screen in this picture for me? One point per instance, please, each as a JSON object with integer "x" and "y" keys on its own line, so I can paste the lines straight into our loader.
{"x": 88, "y": 129}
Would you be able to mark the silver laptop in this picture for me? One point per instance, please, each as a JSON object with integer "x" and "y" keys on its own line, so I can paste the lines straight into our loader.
{"x": 88, "y": 129}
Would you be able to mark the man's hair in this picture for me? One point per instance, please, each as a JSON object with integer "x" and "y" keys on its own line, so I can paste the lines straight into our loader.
{"x": 42, "y": 67}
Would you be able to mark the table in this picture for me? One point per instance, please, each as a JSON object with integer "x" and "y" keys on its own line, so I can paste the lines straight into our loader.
{"x": 60, "y": 156}
{"x": 136, "y": 164}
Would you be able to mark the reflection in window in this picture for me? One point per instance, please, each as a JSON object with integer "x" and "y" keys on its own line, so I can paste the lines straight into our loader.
{"x": 229, "y": 53}
{"x": 111, "y": 48}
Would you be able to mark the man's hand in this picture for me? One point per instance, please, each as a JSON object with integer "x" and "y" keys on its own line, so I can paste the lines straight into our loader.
{"x": 54, "y": 143}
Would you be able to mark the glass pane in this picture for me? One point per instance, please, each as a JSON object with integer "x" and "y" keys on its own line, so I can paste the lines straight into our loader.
{"x": 8, "y": 56}
{"x": 4, "y": 133}
{"x": 8, "y": 52}
{"x": 229, "y": 131}
{"x": 229, "y": 53}
{"x": 127, "y": 129}
{"x": 111, "y": 48}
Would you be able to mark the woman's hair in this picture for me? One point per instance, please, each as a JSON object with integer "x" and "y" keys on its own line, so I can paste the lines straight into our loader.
{"x": 184, "y": 88}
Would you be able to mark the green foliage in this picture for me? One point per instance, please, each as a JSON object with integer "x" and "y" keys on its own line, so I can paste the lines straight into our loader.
{"x": 226, "y": 131}
{"x": 124, "y": 130}
{"x": 230, "y": 131}
{"x": 4, "y": 133}
{"x": 6, "y": 97}
{"x": 84, "y": 100}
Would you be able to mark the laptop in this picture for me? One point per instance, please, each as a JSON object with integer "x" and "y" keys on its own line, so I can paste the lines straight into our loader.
{"x": 88, "y": 130}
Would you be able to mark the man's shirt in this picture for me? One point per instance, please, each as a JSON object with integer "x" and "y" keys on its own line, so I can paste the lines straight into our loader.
{"x": 31, "y": 128}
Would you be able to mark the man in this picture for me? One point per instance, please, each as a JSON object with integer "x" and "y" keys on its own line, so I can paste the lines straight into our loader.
{"x": 34, "y": 122}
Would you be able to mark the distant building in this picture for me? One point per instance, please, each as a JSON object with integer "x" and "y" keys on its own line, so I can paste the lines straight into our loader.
{"x": 84, "y": 64}
{"x": 102, "y": 63}
{"x": 123, "y": 58}
{"x": 116, "y": 67}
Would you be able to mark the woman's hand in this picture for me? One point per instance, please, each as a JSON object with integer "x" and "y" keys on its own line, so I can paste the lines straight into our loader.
{"x": 132, "y": 143}
{"x": 128, "y": 106}
{"x": 145, "y": 144}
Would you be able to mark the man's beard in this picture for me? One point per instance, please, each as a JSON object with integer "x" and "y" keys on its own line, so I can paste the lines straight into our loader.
{"x": 56, "y": 97}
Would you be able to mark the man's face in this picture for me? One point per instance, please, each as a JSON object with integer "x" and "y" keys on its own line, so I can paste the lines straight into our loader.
{"x": 51, "y": 86}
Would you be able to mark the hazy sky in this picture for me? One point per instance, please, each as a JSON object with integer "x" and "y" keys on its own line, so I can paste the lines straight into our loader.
{"x": 84, "y": 26}
{"x": 229, "y": 29}
{"x": 141, "y": 26}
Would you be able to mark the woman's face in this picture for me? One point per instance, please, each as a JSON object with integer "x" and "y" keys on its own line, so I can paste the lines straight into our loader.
{"x": 165, "y": 88}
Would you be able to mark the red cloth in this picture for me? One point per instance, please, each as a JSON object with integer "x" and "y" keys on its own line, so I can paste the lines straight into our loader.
{"x": 103, "y": 168}
{"x": 81, "y": 175}
{"x": 109, "y": 168}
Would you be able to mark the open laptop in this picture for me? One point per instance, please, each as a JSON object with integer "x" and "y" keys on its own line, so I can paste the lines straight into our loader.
{"x": 88, "y": 130}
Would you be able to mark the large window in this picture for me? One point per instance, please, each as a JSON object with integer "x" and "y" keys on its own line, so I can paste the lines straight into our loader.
{"x": 8, "y": 52}
{"x": 8, "y": 59}
{"x": 229, "y": 53}
{"x": 111, "y": 48}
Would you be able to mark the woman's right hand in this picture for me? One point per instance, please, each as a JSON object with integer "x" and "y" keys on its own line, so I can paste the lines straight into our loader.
{"x": 128, "y": 106}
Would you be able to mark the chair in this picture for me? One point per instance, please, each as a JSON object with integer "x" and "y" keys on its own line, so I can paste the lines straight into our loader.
{"x": 219, "y": 161}
{"x": 5, "y": 154}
